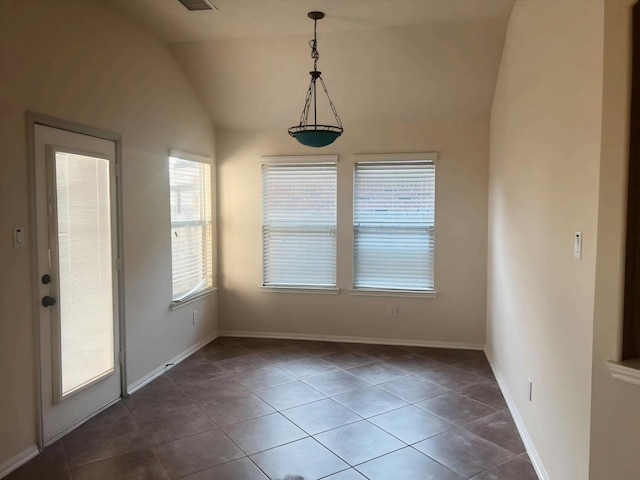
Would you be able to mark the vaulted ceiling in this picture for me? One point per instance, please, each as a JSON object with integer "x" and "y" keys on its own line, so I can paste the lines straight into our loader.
{"x": 382, "y": 60}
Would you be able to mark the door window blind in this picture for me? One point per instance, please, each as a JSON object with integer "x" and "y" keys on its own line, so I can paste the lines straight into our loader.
{"x": 85, "y": 274}
{"x": 191, "y": 227}
{"x": 299, "y": 224}
{"x": 394, "y": 225}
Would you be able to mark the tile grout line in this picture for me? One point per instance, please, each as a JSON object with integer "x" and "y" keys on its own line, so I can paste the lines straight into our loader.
{"x": 159, "y": 463}
{"x": 340, "y": 369}
{"x": 146, "y": 441}
{"x": 220, "y": 428}
{"x": 187, "y": 436}
{"x": 147, "y": 445}
{"x": 517, "y": 455}
{"x": 66, "y": 457}
{"x": 439, "y": 463}
{"x": 302, "y": 379}
{"x": 481, "y": 381}
{"x": 342, "y": 356}
{"x": 313, "y": 436}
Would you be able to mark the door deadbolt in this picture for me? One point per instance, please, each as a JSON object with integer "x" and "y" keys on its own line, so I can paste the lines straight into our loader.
{"x": 46, "y": 279}
{"x": 48, "y": 301}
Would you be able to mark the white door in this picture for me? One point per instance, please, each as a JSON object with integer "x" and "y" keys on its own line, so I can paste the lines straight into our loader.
{"x": 78, "y": 274}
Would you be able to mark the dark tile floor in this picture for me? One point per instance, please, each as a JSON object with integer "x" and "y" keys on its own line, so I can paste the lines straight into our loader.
{"x": 259, "y": 409}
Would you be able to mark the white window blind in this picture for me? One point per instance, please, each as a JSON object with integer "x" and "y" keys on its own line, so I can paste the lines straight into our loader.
{"x": 394, "y": 225}
{"x": 191, "y": 227}
{"x": 84, "y": 247}
{"x": 299, "y": 223}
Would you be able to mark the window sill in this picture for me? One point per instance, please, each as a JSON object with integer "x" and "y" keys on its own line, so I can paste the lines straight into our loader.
{"x": 626, "y": 371}
{"x": 370, "y": 292}
{"x": 187, "y": 301}
{"x": 319, "y": 290}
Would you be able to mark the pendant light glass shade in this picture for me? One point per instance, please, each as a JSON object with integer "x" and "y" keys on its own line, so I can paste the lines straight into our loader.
{"x": 314, "y": 134}
{"x": 320, "y": 136}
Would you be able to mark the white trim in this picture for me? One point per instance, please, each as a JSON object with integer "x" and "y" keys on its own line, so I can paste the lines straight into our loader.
{"x": 520, "y": 425}
{"x": 625, "y": 371}
{"x": 372, "y": 292}
{"x": 18, "y": 460}
{"x": 349, "y": 339}
{"x": 176, "y": 304}
{"x": 319, "y": 290}
{"x": 400, "y": 157}
{"x": 297, "y": 159}
{"x": 194, "y": 157}
{"x": 155, "y": 373}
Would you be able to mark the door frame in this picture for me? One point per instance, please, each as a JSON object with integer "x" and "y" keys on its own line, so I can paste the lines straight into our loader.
{"x": 34, "y": 119}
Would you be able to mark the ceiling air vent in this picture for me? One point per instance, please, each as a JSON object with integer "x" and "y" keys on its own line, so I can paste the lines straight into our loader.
{"x": 195, "y": 5}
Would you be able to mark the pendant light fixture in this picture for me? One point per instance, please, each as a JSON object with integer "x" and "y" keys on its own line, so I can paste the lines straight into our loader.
{"x": 314, "y": 134}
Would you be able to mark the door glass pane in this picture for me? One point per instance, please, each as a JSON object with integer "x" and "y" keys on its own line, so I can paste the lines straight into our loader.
{"x": 85, "y": 269}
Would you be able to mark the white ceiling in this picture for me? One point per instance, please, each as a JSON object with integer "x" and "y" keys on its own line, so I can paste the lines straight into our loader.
{"x": 263, "y": 18}
{"x": 382, "y": 60}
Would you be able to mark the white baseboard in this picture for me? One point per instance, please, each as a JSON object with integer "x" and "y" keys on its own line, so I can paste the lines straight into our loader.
{"x": 348, "y": 339}
{"x": 152, "y": 375}
{"x": 517, "y": 418}
{"x": 18, "y": 460}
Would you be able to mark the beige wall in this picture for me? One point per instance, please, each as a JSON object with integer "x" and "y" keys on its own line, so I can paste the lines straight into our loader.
{"x": 544, "y": 175}
{"x": 615, "y": 417}
{"x": 456, "y": 316}
{"x": 77, "y": 61}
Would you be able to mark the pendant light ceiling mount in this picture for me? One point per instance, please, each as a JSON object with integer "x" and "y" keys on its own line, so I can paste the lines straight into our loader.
{"x": 315, "y": 15}
{"x": 314, "y": 134}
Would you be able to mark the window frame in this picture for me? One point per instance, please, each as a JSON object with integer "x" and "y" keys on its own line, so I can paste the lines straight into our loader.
{"x": 387, "y": 158}
{"x": 207, "y": 290}
{"x": 298, "y": 160}
{"x": 631, "y": 302}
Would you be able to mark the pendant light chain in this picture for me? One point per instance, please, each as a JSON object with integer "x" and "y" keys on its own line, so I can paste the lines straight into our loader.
{"x": 333, "y": 108}
{"x": 316, "y": 55}
{"x": 314, "y": 46}
{"x": 304, "y": 117}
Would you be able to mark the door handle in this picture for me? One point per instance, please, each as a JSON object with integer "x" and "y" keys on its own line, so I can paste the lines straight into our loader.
{"x": 48, "y": 301}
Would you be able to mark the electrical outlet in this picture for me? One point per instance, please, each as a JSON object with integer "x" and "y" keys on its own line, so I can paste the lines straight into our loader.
{"x": 393, "y": 310}
{"x": 194, "y": 316}
{"x": 530, "y": 390}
